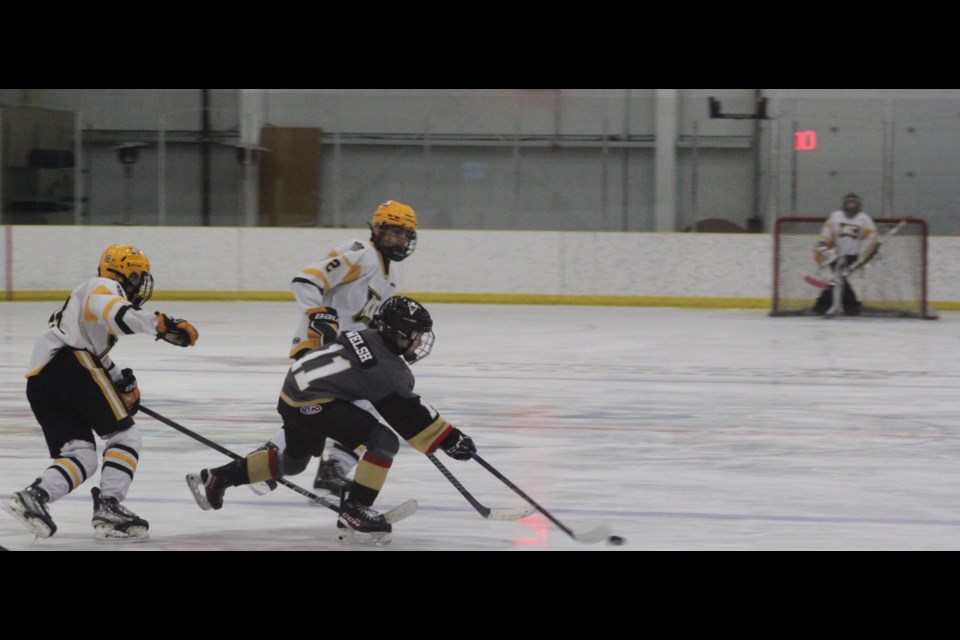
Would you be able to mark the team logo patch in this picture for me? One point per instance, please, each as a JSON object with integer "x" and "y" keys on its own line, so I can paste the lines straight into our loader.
{"x": 311, "y": 409}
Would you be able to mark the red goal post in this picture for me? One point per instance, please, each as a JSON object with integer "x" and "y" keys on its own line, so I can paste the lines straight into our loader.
{"x": 892, "y": 284}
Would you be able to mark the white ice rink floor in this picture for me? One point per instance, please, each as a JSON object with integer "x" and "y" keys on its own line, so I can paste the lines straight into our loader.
{"x": 679, "y": 429}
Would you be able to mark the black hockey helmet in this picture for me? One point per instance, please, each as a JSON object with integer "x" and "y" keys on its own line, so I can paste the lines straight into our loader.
{"x": 406, "y": 327}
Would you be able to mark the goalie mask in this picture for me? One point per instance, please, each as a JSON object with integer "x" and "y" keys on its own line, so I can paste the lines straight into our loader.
{"x": 393, "y": 230}
{"x": 406, "y": 327}
{"x": 851, "y": 204}
{"x": 131, "y": 268}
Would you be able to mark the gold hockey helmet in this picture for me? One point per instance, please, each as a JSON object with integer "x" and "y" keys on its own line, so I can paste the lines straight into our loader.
{"x": 395, "y": 214}
{"x": 394, "y": 230}
{"x": 129, "y": 266}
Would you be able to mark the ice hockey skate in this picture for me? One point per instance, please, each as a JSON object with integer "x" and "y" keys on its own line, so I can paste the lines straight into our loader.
{"x": 113, "y": 522}
{"x": 30, "y": 508}
{"x": 330, "y": 477}
{"x": 207, "y": 488}
{"x": 359, "y": 524}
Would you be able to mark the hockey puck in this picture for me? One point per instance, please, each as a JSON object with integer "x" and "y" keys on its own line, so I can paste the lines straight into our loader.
{"x": 615, "y": 540}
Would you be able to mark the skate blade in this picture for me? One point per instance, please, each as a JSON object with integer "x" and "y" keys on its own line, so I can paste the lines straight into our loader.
{"x": 36, "y": 527}
{"x": 109, "y": 534}
{"x": 357, "y": 538}
{"x": 195, "y": 484}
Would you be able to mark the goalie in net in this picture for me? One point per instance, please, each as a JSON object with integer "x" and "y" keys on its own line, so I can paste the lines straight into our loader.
{"x": 848, "y": 241}
{"x": 860, "y": 266}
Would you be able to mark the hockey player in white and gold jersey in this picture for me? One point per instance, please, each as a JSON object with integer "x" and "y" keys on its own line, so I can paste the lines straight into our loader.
{"x": 353, "y": 279}
{"x": 848, "y": 240}
{"x": 342, "y": 292}
{"x": 76, "y": 391}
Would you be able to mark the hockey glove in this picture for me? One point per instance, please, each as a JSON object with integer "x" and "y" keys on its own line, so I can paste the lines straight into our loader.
{"x": 324, "y": 325}
{"x": 458, "y": 445}
{"x": 178, "y": 332}
{"x": 128, "y": 390}
{"x": 825, "y": 255}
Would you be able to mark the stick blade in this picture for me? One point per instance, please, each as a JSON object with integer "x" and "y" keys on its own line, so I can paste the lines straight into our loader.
{"x": 817, "y": 282}
{"x": 510, "y": 514}
{"x": 401, "y": 512}
{"x": 597, "y": 534}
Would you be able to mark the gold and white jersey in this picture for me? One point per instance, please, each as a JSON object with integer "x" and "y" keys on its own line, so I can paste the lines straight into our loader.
{"x": 92, "y": 320}
{"x": 849, "y": 236}
{"x": 353, "y": 279}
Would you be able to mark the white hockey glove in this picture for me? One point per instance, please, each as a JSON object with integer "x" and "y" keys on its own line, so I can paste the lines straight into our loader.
{"x": 827, "y": 255}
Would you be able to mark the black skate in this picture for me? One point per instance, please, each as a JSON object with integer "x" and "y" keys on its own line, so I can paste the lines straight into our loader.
{"x": 362, "y": 524}
{"x": 207, "y": 488}
{"x": 114, "y": 522}
{"x": 30, "y": 508}
{"x": 331, "y": 478}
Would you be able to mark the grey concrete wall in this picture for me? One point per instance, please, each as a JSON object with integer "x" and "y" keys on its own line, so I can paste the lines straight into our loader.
{"x": 566, "y": 159}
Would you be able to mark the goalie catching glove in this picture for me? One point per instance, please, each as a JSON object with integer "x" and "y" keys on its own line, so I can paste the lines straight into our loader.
{"x": 178, "y": 332}
{"x": 458, "y": 445}
{"x": 128, "y": 390}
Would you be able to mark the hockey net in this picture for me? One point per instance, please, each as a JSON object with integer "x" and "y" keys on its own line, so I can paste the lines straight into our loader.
{"x": 892, "y": 284}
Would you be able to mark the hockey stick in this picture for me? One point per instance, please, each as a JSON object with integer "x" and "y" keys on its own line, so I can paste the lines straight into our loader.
{"x": 213, "y": 445}
{"x": 817, "y": 282}
{"x": 398, "y": 513}
{"x": 825, "y": 284}
{"x": 597, "y": 534}
{"x": 876, "y": 247}
{"x": 843, "y": 272}
{"x": 486, "y": 512}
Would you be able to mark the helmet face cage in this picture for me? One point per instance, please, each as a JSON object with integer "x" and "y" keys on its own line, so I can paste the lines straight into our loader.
{"x": 131, "y": 268}
{"x": 394, "y": 230}
{"x": 406, "y": 328}
{"x": 851, "y": 204}
{"x": 144, "y": 290}
{"x": 423, "y": 348}
{"x": 395, "y": 242}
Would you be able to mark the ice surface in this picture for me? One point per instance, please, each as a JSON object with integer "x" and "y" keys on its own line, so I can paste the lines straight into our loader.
{"x": 680, "y": 429}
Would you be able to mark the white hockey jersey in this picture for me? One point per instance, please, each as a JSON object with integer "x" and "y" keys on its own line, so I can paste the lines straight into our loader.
{"x": 353, "y": 279}
{"x": 92, "y": 319}
{"x": 850, "y": 236}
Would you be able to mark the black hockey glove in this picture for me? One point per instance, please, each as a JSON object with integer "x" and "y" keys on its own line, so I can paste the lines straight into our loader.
{"x": 128, "y": 390}
{"x": 458, "y": 445}
{"x": 178, "y": 332}
{"x": 324, "y": 325}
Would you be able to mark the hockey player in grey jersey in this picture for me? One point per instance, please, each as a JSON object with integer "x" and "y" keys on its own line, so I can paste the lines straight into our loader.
{"x": 317, "y": 402}
{"x": 76, "y": 391}
{"x": 342, "y": 292}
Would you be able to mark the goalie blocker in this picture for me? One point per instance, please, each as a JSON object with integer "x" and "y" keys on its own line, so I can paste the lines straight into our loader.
{"x": 893, "y": 283}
